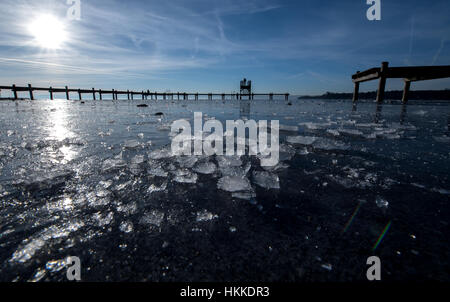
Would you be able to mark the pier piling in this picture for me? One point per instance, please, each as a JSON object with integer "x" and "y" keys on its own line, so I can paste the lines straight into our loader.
{"x": 14, "y": 91}
{"x": 382, "y": 83}
{"x": 30, "y": 89}
{"x": 406, "y": 91}
{"x": 356, "y": 90}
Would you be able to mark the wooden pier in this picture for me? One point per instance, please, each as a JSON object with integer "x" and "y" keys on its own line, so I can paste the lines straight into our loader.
{"x": 409, "y": 74}
{"x": 130, "y": 95}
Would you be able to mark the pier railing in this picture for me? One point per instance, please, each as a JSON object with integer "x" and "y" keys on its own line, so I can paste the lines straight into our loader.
{"x": 144, "y": 94}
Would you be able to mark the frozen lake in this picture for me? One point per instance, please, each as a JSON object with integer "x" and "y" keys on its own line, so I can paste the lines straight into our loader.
{"x": 96, "y": 180}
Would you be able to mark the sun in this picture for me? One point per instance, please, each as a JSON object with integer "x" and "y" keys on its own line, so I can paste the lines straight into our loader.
{"x": 48, "y": 32}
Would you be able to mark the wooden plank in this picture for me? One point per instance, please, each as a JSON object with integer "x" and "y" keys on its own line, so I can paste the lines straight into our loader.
{"x": 425, "y": 72}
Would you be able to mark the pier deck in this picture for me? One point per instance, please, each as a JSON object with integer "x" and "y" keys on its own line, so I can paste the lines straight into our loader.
{"x": 144, "y": 94}
{"x": 409, "y": 74}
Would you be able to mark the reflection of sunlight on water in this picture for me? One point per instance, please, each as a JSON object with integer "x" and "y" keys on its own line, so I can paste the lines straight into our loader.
{"x": 68, "y": 152}
{"x": 58, "y": 129}
{"x": 58, "y": 124}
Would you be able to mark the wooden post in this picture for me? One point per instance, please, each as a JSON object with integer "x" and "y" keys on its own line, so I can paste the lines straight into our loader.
{"x": 178, "y": 95}
{"x": 93, "y": 93}
{"x": 67, "y": 93}
{"x": 51, "y": 93}
{"x": 31, "y": 92}
{"x": 79, "y": 94}
{"x": 403, "y": 114}
{"x": 406, "y": 91}
{"x": 356, "y": 91}
{"x": 100, "y": 93}
{"x": 142, "y": 94}
{"x": 382, "y": 84}
{"x": 14, "y": 91}
{"x": 286, "y": 96}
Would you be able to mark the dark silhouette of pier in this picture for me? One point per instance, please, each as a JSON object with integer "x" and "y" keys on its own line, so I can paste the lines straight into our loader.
{"x": 409, "y": 74}
{"x": 130, "y": 95}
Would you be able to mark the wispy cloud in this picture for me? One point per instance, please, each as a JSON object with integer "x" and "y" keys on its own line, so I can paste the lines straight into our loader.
{"x": 131, "y": 41}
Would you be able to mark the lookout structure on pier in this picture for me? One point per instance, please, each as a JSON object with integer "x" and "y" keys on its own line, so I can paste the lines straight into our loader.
{"x": 246, "y": 88}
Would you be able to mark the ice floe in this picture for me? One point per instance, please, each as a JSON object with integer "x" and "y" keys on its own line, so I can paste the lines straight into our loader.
{"x": 301, "y": 140}
{"x": 234, "y": 184}
{"x": 154, "y": 218}
{"x": 185, "y": 176}
{"x": 205, "y": 216}
{"x": 205, "y": 168}
{"x": 266, "y": 179}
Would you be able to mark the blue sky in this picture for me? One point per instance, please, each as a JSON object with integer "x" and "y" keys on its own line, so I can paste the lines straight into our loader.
{"x": 301, "y": 47}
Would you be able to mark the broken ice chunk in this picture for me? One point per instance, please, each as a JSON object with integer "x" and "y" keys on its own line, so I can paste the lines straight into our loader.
{"x": 327, "y": 266}
{"x": 288, "y": 128}
{"x": 381, "y": 202}
{"x": 153, "y": 218}
{"x": 157, "y": 170}
{"x": 229, "y": 161}
{"x": 333, "y": 132}
{"x": 113, "y": 164}
{"x": 280, "y": 166}
{"x": 126, "y": 226}
{"x": 244, "y": 195}
{"x": 301, "y": 140}
{"x": 160, "y": 154}
{"x": 350, "y": 132}
{"x": 235, "y": 171}
{"x": 266, "y": 179}
{"x": 187, "y": 161}
{"x": 234, "y": 184}
{"x": 131, "y": 144}
{"x": 154, "y": 188}
{"x": 205, "y": 216}
{"x": 286, "y": 152}
{"x": 205, "y": 168}
{"x": 185, "y": 176}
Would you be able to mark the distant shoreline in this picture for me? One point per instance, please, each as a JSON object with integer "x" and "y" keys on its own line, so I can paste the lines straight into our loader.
{"x": 435, "y": 95}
